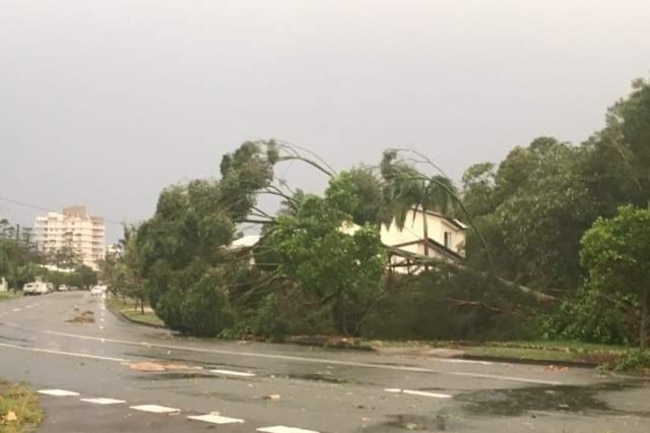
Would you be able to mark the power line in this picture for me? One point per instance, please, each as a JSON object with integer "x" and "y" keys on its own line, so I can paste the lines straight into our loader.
{"x": 42, "y": 208}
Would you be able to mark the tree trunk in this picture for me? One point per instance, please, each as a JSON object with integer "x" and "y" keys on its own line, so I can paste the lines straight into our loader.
{"x": 643, "y": 327}
{"x": 425, "y": 233}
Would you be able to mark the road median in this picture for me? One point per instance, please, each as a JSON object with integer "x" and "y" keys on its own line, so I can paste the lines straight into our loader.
{"x": 20, "y": 411}
{"x": 141, "y": 316}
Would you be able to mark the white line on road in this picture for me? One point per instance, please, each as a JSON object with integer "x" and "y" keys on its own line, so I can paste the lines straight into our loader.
{"x": 244, "y": 354}
{"x": 57, "y": 352}
{"x": 232, "y": 373}
{"x": 283, "y": 429}
{"x": 293, "y": 358}
{"x": 154, "y": 408}
{"x": 416, "y": 392}
{"x": 216, "y": 419}
{"x": 508, "y": 378}
{"x": 58, "y": 392}
{"x": 103, "y": 400}
{"x": 16, "y": 309}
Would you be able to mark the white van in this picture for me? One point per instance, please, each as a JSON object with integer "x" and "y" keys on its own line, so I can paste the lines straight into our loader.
{"x": 36, "y": 288}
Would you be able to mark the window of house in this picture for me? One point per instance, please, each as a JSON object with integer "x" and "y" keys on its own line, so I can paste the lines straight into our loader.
{"x": 447, "y": 239}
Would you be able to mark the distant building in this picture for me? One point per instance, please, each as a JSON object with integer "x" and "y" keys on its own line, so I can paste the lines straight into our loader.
{"x": 430, "y": 235}
{"x": 244, "y": 246}
{"x": 85, "y": 234}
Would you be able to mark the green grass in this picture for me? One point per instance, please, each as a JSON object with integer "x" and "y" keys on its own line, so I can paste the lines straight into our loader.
{"x": 7, "y": 295}
{"x": 546, "y": 351}
{"x": 521, "y": 353}
{"x": 148, "y": 318}
{"x": 128, "y": 309}
{"x": 19, "y": 409}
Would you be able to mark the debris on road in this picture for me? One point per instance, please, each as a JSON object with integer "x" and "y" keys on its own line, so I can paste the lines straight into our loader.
{"x": 9, "y": 417}
{"x": 85, "y": 317}
{"x": 555, "y": 368}
{"x": 160, "y": 366}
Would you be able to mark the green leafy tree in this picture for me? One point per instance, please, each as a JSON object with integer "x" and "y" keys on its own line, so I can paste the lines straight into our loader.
{"x": 406, "y": 188}
{"x": 343, "y": 271}
{"x": 616, "y": 253}
{"x": 619, "y": 154}
{"x": 357, "y": 192}
{"x": 532, "y": 212}
{"x": 87, "y": 276}
{"x": 180, "y": 251}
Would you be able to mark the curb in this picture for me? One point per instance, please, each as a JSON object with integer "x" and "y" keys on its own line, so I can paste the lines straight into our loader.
{"x": 121, "y": 315}
{"x": 574, "y": 364}
{"x": 327, "y": 345}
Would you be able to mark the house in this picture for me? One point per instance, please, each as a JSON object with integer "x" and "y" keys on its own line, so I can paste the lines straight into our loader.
{"x": 429, "y": 234}
{"x": 244, "y": 245}
{"x": 435, "y": 236}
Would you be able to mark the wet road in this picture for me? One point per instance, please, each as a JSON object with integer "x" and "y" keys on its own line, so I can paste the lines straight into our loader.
{"x": 68, "y": 343}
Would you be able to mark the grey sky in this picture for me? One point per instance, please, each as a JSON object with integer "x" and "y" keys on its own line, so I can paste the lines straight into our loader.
{"x": 104, "y": 103}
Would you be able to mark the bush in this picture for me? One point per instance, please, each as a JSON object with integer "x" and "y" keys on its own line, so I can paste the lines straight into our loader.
{"x": 634, "y": 360}
{"x": 439, "y": 305}
{"x": 588, "y": 317}
{"x": 202, "y": 310}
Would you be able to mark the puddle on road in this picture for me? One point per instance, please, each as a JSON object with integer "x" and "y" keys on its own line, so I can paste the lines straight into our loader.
{"x": 6, "y": 338}
{"x": 316, "y": 377}
{"x": 173, "y": 376}
{"x": 518, "y": 401}
{"x": 438, "y": 422}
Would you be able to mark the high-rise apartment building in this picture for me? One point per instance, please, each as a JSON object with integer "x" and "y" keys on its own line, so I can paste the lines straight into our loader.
{"x": 75, "y": 230}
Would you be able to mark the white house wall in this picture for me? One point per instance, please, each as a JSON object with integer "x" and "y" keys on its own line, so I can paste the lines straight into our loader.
{"x": 414, "y": 231}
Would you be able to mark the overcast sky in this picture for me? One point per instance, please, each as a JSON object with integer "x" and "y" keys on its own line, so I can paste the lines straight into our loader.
{"x": 104, "y": 103}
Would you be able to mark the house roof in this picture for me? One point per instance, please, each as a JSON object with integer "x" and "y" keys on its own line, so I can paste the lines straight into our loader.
{"x": 453, "y": 221}
{"x": 432, "y": 243}
{"x": 245, "y": 242}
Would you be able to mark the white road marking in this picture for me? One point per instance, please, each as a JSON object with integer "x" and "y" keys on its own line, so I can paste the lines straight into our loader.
{"x": 16, "y": 309}
{"x": 154, "y": 408}
{"x": 467, "y": 361}
{"x": 294, "y": 358}
{"x": 57, "y": 352}
{"x": 58, "y": 392}
{"x": 416, "y": 392}
{"x": 102, "y": 400}
{"x": 508, "y": 378}
{"x": 283, "y": 429}
{"x": 232, "y": 373}
{"x": 243, "y": 354}
{"x": 216, "y": 419}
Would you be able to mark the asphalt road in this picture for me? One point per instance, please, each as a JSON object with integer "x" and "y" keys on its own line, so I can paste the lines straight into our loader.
{"x": 92, "y": 378}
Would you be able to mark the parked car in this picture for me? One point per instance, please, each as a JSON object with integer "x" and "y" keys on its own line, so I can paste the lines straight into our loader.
{"x": 36, "y": 288}
{"x": 63, "y": 288}
{"x": 97, "y": 290}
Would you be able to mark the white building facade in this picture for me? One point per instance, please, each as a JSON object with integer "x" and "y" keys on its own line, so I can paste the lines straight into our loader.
{"x": 75, "y": 228}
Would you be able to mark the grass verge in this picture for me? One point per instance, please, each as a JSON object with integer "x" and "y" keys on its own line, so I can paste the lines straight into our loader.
{"x": 135, "y": 314}
{"x": 7, "y": 295}
{"x": 19, "y": 409}
{"x": 531, "y": 351}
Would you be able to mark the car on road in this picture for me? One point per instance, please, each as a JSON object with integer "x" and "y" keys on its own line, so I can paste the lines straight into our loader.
{"x": 98, "y": 290}
{"x": 35, "y": 288}
{"x": 63, "y": 288}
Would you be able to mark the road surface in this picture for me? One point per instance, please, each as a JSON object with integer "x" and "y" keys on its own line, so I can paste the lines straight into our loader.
{"x": 97, "y": 373}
